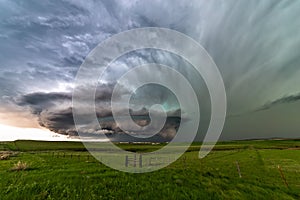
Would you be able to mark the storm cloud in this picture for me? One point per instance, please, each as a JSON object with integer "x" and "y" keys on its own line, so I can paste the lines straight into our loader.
{"x": 53, "y": 113}
{"x": 255, "y": 45}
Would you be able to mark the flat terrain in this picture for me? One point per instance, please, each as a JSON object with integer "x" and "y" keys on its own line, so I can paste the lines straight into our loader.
{"x": 64, "y": 170}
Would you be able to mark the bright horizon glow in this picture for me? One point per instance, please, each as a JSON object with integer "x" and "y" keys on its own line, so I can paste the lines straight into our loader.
{"x": 11, "y": 133}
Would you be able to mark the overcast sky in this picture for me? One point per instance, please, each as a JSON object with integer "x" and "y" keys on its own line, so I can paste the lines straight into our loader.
{"x": 255, "y": 44}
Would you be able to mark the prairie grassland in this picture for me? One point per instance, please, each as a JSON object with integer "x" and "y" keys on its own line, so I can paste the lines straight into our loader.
{"x": 63, "y": 170}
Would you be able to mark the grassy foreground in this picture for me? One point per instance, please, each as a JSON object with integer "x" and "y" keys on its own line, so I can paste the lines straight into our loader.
{"x": 63, "y": 170}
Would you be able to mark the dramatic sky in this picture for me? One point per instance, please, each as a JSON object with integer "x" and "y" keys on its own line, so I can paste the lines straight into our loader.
{"x": 255, "y": 44}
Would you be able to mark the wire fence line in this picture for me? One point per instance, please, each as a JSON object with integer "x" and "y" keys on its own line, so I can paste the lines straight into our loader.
{"x": 239, "y": 168}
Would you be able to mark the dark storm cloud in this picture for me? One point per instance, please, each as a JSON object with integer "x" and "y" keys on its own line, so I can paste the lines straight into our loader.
{"x": 54, "y": 114}
{"x": 48, "y": 109}
{"x": 41, "y": 99}
{"x": 61, "y": 121}
{"x": 283, "y": 100}
{"x": 44, "y": 100}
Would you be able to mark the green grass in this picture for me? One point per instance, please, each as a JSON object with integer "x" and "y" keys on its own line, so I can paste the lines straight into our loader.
{"x": 30, "y": 145}
{"x": 54, "y": 174}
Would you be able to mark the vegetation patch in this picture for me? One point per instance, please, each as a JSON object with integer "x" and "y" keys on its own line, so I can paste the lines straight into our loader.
{"x": 20, "y": 166}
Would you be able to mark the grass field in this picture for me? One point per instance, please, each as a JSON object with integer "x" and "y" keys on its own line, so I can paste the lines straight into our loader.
{"x": 64, "y": 170}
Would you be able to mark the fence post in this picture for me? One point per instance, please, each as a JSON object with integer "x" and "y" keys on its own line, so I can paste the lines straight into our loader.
{"x": 126, "y": 161}
{"x": 184, "y": 161}
{"x": 141, "y": 161}
{"x": 238, "y": 169}
{"x": 134, "y": 161}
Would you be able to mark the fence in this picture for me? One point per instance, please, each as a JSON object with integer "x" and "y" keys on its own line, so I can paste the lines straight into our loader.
{"x": 134, "y": 161}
